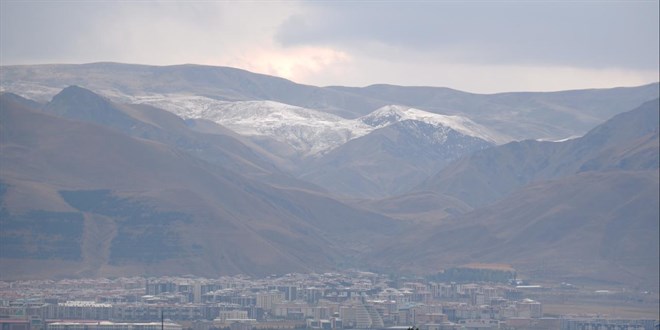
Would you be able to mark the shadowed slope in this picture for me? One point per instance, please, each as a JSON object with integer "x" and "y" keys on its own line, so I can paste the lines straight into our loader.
{"x": 585, "y": 209}
{"x": 144, "y": 207}
{"x": 490, "y": 174}
{"x": 597, "y": 226}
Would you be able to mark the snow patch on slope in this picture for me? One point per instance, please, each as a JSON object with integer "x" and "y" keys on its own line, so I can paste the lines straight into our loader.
{"x": 394, "y": 113}
{"x": 308, "y": 131}
{"x": 32, "y": 91}
{"x": 572, "y": 137}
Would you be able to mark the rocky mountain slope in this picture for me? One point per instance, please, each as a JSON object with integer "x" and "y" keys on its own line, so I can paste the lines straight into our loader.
{"x": 489, "y": 175}
{"x": 330, "y": 151}
{"x": 580, "y": 210}
{"x": 391, "y": 160}
{"x": 591, "y": 227}
{"x": 83, "y": 198}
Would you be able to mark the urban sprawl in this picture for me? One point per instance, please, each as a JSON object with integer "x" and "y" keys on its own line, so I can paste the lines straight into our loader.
{"x": 349, "y": 300}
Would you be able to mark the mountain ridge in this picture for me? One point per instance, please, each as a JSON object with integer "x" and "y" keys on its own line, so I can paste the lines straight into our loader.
{"x": 309, "y": 131}
{"x": 525, "y": 115}
{"x": 487, "y": 175}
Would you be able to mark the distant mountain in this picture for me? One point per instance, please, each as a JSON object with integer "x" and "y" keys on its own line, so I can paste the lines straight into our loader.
{"x": 520, "y": 115}
{"x": 488, "y": 175}
{"x": 13, "y": 98}
{"x": 129, "y": 82}
{"x": 393, "y": 114}
{"x": 308, "y": 132}
{"x": 390, "y": 160}
{"x": 78, "y": 103}
{"x": 79, "y": 198}
{"x": 550, "y": 116}
{"x": 383, "y": 153}
{"x": 330, "y": 151}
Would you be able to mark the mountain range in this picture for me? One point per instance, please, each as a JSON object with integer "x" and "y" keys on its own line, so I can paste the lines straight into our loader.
{"x": 103, "y": 201}
{"x": 584, "y": 208}
{"x": 488, "y": 175}
{"x": 113, "y": 169}
{"x": 525, "y": 115}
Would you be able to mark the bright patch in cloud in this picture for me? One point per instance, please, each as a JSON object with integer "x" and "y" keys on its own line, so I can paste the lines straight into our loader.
{"x": 563, "y": 45}
{"x": 298, "y": 63}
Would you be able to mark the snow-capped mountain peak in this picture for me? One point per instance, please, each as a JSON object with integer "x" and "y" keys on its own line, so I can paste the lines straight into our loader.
{"x": 384, "y": 116}
{"x": 309, "y": 132}
{"x": 394, "y": 113}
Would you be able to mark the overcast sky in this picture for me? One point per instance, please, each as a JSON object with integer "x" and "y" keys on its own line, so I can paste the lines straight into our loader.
{"x": 476, "y": 46}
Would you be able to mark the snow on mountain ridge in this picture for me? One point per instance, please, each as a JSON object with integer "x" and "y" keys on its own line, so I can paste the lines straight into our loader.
{"x": 384, "y": 116}
{"x": 394, "y": 113}
{"x": 308, "y": 131}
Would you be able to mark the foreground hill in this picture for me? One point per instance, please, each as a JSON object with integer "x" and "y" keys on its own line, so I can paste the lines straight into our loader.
{"x": 581, "y": 210}
{"x": 80, "y": 198}
{"x": 590, "y": 227}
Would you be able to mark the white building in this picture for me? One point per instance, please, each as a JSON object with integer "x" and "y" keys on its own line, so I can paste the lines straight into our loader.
{"x": 105, "y": 325}
{"x": 529, "y": 308}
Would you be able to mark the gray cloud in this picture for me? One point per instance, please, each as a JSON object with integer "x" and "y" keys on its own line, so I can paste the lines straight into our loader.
{"x": 586, "y": 34}
{"x": 156, "y": 32}
{"x": 36, "y": 30}
{"x": 484, "y": 46}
